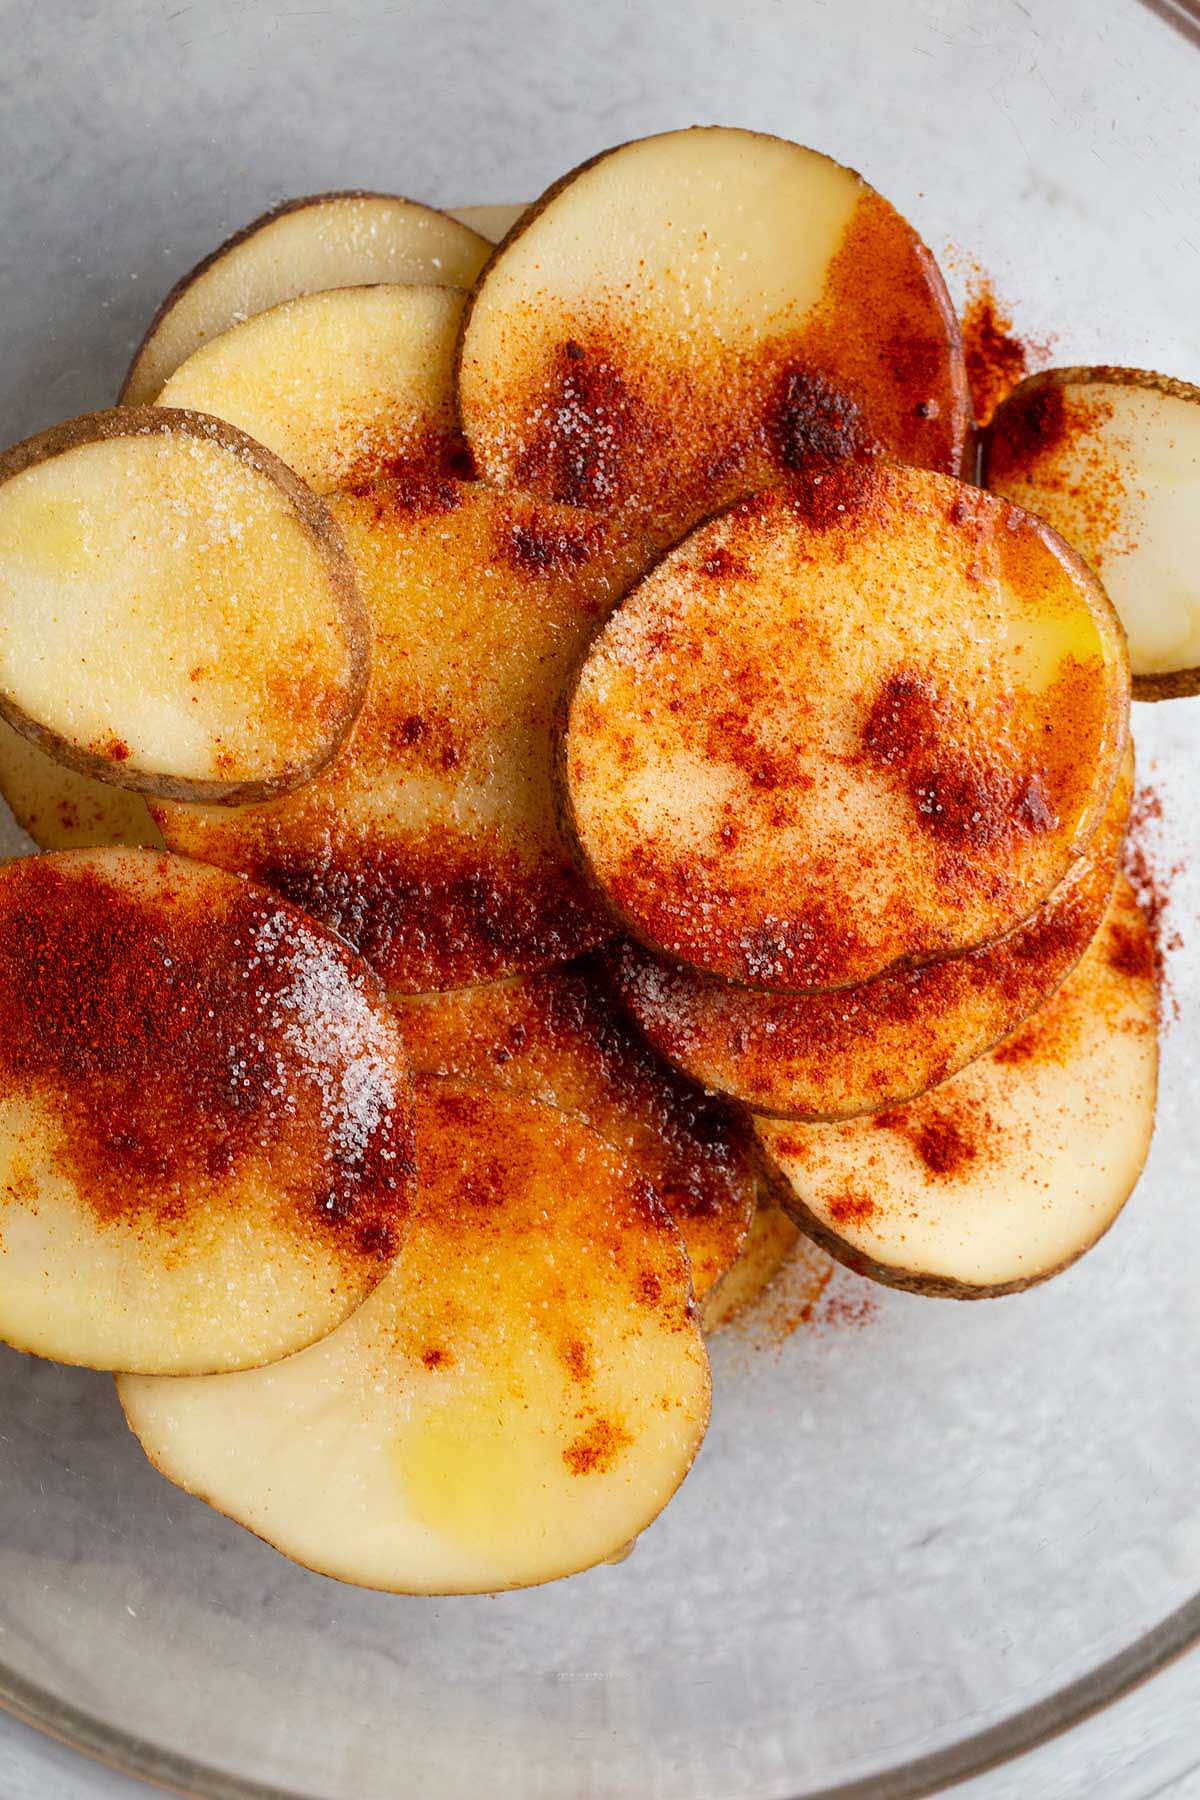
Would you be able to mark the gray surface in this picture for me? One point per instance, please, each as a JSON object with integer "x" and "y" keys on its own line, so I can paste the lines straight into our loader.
{"x": 1053, "y": 1440}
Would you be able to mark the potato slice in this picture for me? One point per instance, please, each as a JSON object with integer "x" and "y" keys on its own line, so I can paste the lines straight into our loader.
{"x": 322, "y": 241}
{"x": 558, "y": 1037}
{"x": 1111, "y": 458}
{"x": 432, "y": 843}
{"x": 343, "y": 385}
{"x": 684, "y": 317}
{"x": 177, "y": 611}
{"x": 514, "y": 1403}
{"x": 848, "y": 726}
{"x": 62, "y": 810}
{"x": 493, "y": 221}
{"x": 1013, "y": 1168}
{"x": 769, "y": 1244}
{"x": 205, "y": 1118}
{"x": 830, "y": 1056}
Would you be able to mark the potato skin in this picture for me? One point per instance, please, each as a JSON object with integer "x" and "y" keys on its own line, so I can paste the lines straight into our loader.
{"x": 319, "y": 524}
{"x": 131, "y": 391}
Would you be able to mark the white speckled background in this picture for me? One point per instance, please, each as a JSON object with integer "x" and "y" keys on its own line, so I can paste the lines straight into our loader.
{"x": 1057, "y": 139}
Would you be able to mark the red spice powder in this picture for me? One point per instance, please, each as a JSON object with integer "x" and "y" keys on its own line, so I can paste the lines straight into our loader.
{"x": 1151, "y": 880}
{"x": 997, "y": 357}
{"x": 811, "y": 1293}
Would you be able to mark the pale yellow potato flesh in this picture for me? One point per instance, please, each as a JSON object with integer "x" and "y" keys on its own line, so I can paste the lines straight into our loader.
{"x": 176, "y": 613}
{"x": 1010, "y": 1170}
{"x": 206, "y": 1140}
{"x": 517, "y": 1400}
{"x": 303, "y": 247}
{"x": 342, "y": 385}
{"x": 685, "y": 316}
{"x": 63, "y": 810}
{"x": 1111, "y": 458}
{"x": 492, "y": 220}
{"x": 559, "y": 1037}
{"x": 432, "y": 842}
{"x": 769, "y": 1244}
{"x": 851, "y": 725}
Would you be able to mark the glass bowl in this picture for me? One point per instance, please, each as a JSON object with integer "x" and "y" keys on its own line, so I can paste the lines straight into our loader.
{"x": 921, "y": 1536}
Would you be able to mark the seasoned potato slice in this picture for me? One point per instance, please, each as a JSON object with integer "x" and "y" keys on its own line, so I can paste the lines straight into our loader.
{"x": 493, "y": 220}
{"x": 63, "y": 810}
{"x": 770, "y": 1243}
{"x": 847, "y": 726}
{"x": 684, "y": 317}
{"x": 517, "y": 1400}
{"x": 205, "y": 1118}
{"x": 344, "y": 386}
{"x": 432, "y": 843}
{"x": 177, "y": 611}
{"x": 830, "y": 1056}
{"x": 1013, "y": 1168}
{"x": 557, "y": 1036}
{"x": 302, "y": 247}
{"x": 1111, "y": 458}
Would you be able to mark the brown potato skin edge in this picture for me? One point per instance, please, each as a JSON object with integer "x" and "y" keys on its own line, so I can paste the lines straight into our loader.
{"x": 317, "y": 521}
{"x": 127, "y": 395}
{"x": 915, "y": 1281}
{"x": 1168, "y": 684}
{"x": 565, "y": 809}
{"x": 963, "y": 424}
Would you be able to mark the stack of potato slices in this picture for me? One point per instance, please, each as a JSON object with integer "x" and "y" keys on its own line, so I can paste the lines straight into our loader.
{"x": 555, "y": 782}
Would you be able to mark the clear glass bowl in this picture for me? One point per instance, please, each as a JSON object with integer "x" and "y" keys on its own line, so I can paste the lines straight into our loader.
{"x": 908, "y": 1549}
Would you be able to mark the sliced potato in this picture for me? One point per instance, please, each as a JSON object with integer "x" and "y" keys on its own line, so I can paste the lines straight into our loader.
{"x": 516, "y": 1402}
{"x": 847, "y": 726}
{"x": 684, "y": 317}
{"x": 177, "y": 611}
{"x": 558, "y": 1037}
{"x": 493, "y": 221}
{"x": 205, "y": 1118}
{"x": 345, "y": 386}
{"x": 770, "y": 1243}
{"x": 1111, "y": 458}
{"x": 830, "y": 1056}
{"x": 322, "y": 241}
{"x": 62, "y": 810}
{"x": 432, "y": 843}
{"x": 1014, "y": 1167}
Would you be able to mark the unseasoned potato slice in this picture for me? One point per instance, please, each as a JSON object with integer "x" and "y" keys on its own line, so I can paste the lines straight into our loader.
{"x": 770, "y": 1243}
{"x": 302, "y": 247}
{"x": 851, "y": 725}
{"x": 63, "y": 810}
{"x": 432, "y": 843}
{"x": 1012, "y": 1169}
{"x": 1111, "y": 458}
{"x": 344, "y": 386}
{"x": 492, "y": 220}
{"x": 684, "y": 317}
{"x": 558, "y": 1037}
{"x": 177, "y": 611}
{"x": 517, "y": 1400}
{"x": 205, "y": 1118}
{"x": 854, "y": 1050}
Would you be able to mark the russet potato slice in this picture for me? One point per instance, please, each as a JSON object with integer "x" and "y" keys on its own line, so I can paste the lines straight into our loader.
{"x": 770, "y": 1243}
{"x": 685, "y": 317}
{"x": 432, "y": 843}
{"x": 492, "y": 219}
{"x": 177, "y": 611}
{"x": 322, "y": 241}
{"x": 848, "y": 726}
{"x": 206, "y": 1137}
{"x": 63, "y": 810}
{"x": 1111, "y": 458}
{"x": 344, "y": 386}
{"x": 558, "y": 1037}
{"x": 518, "y": 1399}
{"x": 1013, "y": 1168}
{"x": 854, "y": 1050}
